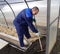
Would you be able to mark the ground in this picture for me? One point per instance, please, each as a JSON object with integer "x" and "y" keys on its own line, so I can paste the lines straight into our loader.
{"x": 11, "y": 50}
{"x": 34, "y": 49}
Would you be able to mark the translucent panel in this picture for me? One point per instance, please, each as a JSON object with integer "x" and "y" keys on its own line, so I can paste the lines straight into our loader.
{"x": 54, "y": 9}
{"x": 1, "y": 4}
{"x": 2, "y": 21}
{"x": 1, "y": 0}
{"x": 41, "y": 16}
{"x": 53, "y": 27}
{"x": 8, "y": 14}
{"x": 18, "y": 7}
{"x": 11, "y": 1}
{"x": 53, "y": 35}
{"x": 32, "y": 0}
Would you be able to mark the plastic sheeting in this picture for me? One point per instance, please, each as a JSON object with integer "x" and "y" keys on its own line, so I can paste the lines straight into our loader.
{"x": 53, "y": 24}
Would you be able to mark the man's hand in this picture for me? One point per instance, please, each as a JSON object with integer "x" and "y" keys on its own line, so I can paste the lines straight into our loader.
{"x": 38, "y": 34}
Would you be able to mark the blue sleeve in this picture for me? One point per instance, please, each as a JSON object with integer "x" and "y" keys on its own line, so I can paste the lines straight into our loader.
{"x": 30, "y": 24}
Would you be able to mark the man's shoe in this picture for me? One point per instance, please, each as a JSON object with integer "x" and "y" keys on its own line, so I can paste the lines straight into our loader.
{"x": 24, "y": 48}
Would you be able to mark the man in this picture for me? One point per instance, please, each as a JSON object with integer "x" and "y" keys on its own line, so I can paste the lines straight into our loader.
{"x": 24, "y": 20}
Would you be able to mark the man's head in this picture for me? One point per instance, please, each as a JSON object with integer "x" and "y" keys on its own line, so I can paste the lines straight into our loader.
{"x": 35, "y": 10}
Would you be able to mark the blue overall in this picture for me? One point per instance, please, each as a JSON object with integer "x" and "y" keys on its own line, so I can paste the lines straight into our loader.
{"x": 21, "y": 22}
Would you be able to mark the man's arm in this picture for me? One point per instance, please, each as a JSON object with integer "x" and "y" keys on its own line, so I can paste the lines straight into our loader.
{"x": 28, "y": 19}
{"x": 30, "y": 24}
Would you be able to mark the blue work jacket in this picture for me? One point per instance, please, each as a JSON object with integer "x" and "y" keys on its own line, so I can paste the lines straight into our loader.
{"x": 24, "y": 18}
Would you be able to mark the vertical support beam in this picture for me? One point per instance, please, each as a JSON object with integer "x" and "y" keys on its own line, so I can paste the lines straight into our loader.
{"x": 4, "y": 18}
{"x": 10, "y": 7}
{"x": 48, "y": 25}
{"x": 26, "y": 3}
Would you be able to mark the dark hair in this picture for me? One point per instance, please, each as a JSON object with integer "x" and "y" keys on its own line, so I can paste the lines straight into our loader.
{"x": 36, "y": 8}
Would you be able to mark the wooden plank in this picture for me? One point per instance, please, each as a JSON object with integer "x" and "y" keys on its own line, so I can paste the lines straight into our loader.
{"x": 2, "y": 43}
{"x": 10, "y": 38}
